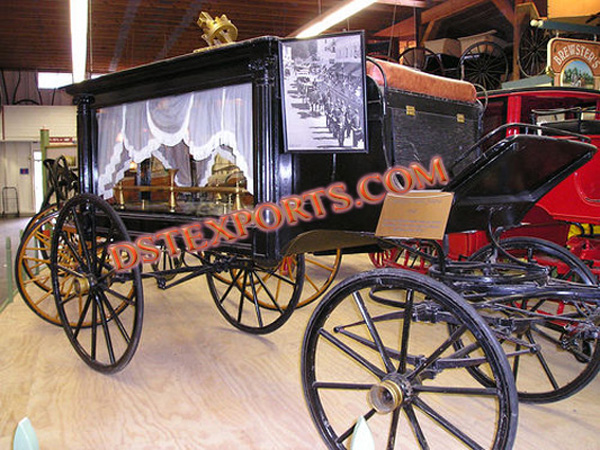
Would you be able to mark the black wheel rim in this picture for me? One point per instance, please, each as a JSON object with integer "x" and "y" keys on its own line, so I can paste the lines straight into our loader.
{"x": 252, "y": 298}
{"x": 89, "y": 290}
{"x": 359, "y": 347}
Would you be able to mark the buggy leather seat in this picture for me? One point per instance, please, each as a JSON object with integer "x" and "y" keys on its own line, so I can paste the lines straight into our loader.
{"x": 407, "y": 79}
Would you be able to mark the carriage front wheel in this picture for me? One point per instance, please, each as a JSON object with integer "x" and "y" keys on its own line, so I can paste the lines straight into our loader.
{"x": 101, "y": 309}
{"x": 377, "y": 348}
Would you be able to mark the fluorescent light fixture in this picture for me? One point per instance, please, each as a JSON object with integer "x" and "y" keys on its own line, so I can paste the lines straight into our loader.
{"x": 54, "y": 80}
{"x": 79, "y": 26}
{"x": 333, "y": 16}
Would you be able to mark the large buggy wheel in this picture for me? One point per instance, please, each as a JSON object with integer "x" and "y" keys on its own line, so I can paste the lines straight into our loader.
{"x": 253, "y": 298}
{"x": 101, "y": 309}
{"x": 562, "y": 357}
{"x": 32, "y": 267}
{"x": 377, "y": 347}
{"x": 484, "y": 63}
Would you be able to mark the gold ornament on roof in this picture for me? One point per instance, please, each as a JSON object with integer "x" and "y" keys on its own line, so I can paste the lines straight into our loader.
{"x": 217, "y": 31}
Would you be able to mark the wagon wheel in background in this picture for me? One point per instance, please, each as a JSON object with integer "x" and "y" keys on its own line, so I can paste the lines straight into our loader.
{"x": 377, "y": 348}
{"x": 484, "y": 63}
{"x": 533, "y": 49}
{"x": 111, "y": 302}
{"x": 563, "y": 363}
{"x": 422, "y": 59}
{"x": 407, "y": 258}
{"x": 253, "y": 298}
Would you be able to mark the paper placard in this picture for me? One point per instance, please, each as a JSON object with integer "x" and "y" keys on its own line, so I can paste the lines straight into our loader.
{"x": 417, "y": 214}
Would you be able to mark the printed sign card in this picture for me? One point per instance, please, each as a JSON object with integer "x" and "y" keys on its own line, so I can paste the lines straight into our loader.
{"x": 417, "y": 214}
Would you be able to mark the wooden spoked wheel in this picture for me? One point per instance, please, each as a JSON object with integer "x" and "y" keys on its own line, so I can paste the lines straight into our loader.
{"x": 319, "y": 273}
{"x": 552, "y": 350}
{"x": 484, "y": 63}
{"x": 377, "y": 348}
{"x": 417, "y": 256}
{"x": 32, "y": 268}
{"x": 533, "y": 51}
{"x": 253, "y": 298}
{"x": 100, "y": 307}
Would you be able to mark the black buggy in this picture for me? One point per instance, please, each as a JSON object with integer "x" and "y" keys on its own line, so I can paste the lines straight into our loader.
{"x": 189, "y": 167}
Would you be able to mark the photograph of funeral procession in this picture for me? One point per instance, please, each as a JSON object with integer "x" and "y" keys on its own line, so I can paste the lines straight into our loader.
{"x": 323, "y": 85}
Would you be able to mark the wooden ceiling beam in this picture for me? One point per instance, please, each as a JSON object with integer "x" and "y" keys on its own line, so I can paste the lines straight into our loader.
{"x": 506, "y": 7}
{"x": 449, "y": 8}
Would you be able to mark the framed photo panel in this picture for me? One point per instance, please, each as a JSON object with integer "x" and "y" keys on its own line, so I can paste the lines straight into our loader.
{"x": 323, "y": 84}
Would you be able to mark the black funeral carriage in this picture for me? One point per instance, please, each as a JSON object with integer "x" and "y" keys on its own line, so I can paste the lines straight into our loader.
{"x": 215, "y": 163}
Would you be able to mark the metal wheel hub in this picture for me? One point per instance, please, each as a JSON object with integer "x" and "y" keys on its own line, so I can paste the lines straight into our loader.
{"x": 389, "y": 394}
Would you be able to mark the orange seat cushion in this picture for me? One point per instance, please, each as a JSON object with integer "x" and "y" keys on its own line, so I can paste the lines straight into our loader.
{"x": 411, "y": 80}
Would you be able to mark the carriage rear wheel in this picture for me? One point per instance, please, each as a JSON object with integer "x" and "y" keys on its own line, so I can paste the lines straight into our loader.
{"x": 319, "y": 273}
{"x": 253, "y": 298}
{"x": 108, "y": 300}
{"x": 32, "y": 267}
{"x": 561, "y": 360}
{"x": 377, "y": 348}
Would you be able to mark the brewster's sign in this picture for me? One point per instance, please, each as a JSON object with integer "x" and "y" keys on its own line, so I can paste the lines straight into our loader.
{"x": 574, "y": 62}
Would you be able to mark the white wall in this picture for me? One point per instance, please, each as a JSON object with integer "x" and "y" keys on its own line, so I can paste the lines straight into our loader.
{"x": 23, "y": 123}
{"x": 19, "y": 137}
{"x": 16, "y": 157}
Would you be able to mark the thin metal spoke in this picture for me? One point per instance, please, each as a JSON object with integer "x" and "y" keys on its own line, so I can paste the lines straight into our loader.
{"x": 106, "y": 329}
{"x": 82, "y": 315}
{"x": 255, "y": 299}
{"x": 490, "y": 392}
{"x": 82, "y": 242}
{"x": 94, "y": 334}
{"x": 406, "y": 330}
{"x": 242, "y": 294}
{"x": 268, "y": 292}
{"x": 233, "y": 283}
{"x": 393, "y": 429}
{"x": 543, "y": 363}
{"x": 373, "y": 332}
{"x": 339, "y": 385}
{"x": 346, "y": 434}
{"x": 71, "y": 247}
{"x": 445, "y": 423}
{"x": 114, "y": 316}
{"x": 416, "y": 426}
{"x": 118, "y": 295}
{"x": 437, "y": 353}
{"x": 352, "y": 354}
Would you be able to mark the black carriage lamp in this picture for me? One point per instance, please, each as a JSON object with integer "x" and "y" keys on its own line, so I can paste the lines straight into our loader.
{"x": 217, "y": 31}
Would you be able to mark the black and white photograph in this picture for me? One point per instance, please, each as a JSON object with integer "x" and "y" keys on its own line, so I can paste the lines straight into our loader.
{"x": 324, "y": 94}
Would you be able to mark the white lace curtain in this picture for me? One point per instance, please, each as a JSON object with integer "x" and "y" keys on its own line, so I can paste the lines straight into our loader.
{"x": 172, "y": 128}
